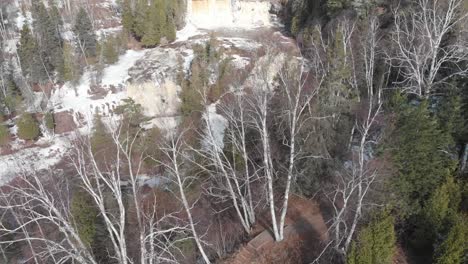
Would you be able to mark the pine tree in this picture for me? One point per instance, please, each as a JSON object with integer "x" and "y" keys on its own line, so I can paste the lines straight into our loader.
{"x": 69, "y": 70}
{"x": 84, "y": 216}
{"x": 140, "y": 20}
{"x": 155, "y": 25}
{"x": 4, "y": 134}
{"x": 85, "y": 34}
{"x": 375, "y": 243}
{"x": 127, "y": 16}
{"x": 49, "y": 121}
{"x": 47, "y": 31}
{"x": 12, "y": 97}
{"x": 170, "y": 29}
{"x": 110, "y": 52}
{"x": 453, "y": 249}
{"x": 30, "y": 57}
{"x": 419, "y": 153}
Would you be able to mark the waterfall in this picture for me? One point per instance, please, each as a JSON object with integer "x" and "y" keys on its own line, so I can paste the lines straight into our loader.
{"x": 209, "y": 14}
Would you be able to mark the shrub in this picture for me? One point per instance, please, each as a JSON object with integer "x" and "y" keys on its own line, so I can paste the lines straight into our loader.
{"x": 28, "y": 128}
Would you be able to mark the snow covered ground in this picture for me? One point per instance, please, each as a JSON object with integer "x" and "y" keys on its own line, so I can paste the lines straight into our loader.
{"x": 83, "y": 103}
{"x": 28, "y": 160}
{"x": 49, "y": 151}
{"x": 84, "y": 98}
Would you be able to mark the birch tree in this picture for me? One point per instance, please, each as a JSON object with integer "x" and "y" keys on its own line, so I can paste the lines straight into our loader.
{"x": 32, "y": 203}
{"x": 424, "y": 48}
{"x": 173, "y": 162}
{"x": 354, "y": 184}
{"x": 103, "y": 181}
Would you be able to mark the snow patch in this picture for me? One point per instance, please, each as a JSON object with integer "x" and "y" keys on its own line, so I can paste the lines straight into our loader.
{"x": 217, "y": 125}
{"x": 34, "y": 159}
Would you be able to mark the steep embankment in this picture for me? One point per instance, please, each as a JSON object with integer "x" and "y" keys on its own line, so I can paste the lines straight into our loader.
{"x": 150, "y": 76}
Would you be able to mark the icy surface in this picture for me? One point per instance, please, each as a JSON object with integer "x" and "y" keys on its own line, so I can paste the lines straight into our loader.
{"x": 118, "y": 73}
{"x": 217, "y": 124}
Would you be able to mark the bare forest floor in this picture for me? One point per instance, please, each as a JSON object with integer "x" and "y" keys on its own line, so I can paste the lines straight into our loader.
{"x": 305, "y": 235}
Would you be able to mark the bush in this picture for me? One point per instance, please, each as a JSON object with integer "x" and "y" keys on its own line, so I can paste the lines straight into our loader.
{"x": 28, "y": 128}
{"x": 4, "y": 135}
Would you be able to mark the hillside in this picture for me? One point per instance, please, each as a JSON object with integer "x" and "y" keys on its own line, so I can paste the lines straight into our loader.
{"x": 233, "y": 131}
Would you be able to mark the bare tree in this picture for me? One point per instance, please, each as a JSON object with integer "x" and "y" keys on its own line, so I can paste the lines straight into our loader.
{"x": 36, "y": 201}
{"x": 174, "y": 153}
{"x": 353, "y": 185}
{"x": 36, "y": 209}
{"x": 155, "y": 234}
{"x": 422, "y": 49}
{"x": 294, "y": 113}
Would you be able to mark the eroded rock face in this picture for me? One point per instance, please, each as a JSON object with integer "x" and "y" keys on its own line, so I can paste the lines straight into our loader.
{"x": 153, "y": 81}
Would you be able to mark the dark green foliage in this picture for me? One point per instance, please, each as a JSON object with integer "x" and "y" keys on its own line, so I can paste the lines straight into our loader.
{"x": 170, "y": 26}
{"x": 110, "y": 50}
{"x": 84, "y": 214}
{"x": 375, "y": 243}
{"x": 28, "y": 128}
{"x": 453, "y": 250}
{"x": 84, "y": 32}
{"x": 100, "y": 139}
{"x": 155, "y": 25}
{"x": 449, "y": 112}
{"x": 32, "y": 62}
{"x": 46, "y": 26}
{"x": 140, "y": 17}
{"x": 152, "y": 22}
{"x": 4, "y": 134}
{"x": 333, "y": 6}
{"x": 132, "y": 112}
{"x": 69, "y": 71}
{"x": 11, "y": 99}
{"x": 419, "y": 151}
{"x": 127, "y": 16}
{"x": 49, "y": 121}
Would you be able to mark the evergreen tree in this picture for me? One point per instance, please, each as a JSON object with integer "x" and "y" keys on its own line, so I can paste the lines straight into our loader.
{"x": 12, "y": 97}
{"x": 85, "y": 34}
{"x": 420, "y": 154}
{"x": 85, "y": 216}
{"x": 141, "y": 16}
{"x": 375, "y": 243}
{"x": 28, "y": 128}
{"x": 127, "y": 16}
{"x": 155, "y": 25}
{"x": 47, "y": 31}
{"x": 69, "y": 71}
{"x": 455, "y": 247}
{"x": 449, "y": 113}
{"x": 49, "y": 121}
{"x": 4, "y": 134}
{"x": 110, "y": 50}
{"x": 30, "y": 56}
{"x": 170, "y": 26}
